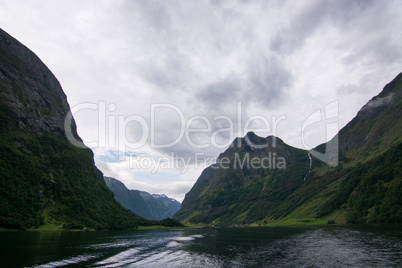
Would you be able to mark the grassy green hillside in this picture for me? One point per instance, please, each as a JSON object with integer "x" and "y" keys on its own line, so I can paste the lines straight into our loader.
{"x": 364, "y": 188}
{"x": 245, "y": 194}
{"x": 46, "y": 180}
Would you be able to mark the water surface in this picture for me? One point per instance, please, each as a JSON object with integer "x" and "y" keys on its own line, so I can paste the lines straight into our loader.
{"x": 332, "y": 246}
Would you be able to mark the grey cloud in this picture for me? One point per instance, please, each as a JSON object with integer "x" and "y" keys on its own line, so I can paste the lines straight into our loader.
{"x": 305, "y": 23}
{"x": 173, "y": 72}
{"x": 313, "y": 16}
{"x": 348, "y": 89}
{"x": 342, "y": 13}
{"x": 365, "y": 82}
{"x": 285, "y": 42}
{"x": 184, "y": 148}
{"x": 167, "y": 131}
{"x": 218, "y": 95}
{"x": 153, "y": 12}
{"x": 382, "y": 50}
{"x": 267, "y": 82}
{"x": 369, "y": 29}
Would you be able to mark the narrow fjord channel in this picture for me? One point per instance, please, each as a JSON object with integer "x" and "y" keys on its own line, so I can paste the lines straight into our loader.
{"x": 326, "y": 246}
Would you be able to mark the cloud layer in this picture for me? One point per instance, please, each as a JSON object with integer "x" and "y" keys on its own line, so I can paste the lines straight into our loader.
{"x": 275, "y": 58}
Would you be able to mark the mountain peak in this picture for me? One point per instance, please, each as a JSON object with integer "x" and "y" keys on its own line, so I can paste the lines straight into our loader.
{"x": 254, "y": 189}
{"x": 251, "y": 134}
{"x": 253, "y": 141}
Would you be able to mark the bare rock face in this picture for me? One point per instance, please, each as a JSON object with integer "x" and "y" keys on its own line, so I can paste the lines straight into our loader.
{"x": 30, "y": 94}
{"x": 44, "y": 179}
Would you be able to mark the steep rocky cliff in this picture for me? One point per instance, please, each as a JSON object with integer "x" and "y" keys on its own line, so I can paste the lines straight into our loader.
{"x": 44, "y": 179}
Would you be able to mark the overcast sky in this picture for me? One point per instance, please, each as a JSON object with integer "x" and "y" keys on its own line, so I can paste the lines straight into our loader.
{"x": 219, "y": 67}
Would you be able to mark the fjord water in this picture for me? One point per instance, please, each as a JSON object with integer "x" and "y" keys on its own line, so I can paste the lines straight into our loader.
{"x": 327, "y": 246}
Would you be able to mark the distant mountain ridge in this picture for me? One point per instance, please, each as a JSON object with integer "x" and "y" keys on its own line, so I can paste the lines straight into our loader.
{"x": 366, "y": 186}
{"x": 144, "y": 204}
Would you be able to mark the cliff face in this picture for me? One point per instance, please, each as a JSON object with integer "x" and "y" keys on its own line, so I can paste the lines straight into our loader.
{"x": 31, "y": 96}
{"x": 376, "y": 127}
{"x": 151, "y": 207}
{"x": 43, "y": 178}
{"x": 364, "y": 188}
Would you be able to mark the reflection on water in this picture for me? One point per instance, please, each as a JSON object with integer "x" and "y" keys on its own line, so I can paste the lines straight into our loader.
{"x": 332, "y": 246}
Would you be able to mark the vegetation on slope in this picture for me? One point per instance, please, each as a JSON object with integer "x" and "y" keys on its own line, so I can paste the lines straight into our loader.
{"x": 48, "y": 176}
{"x": 236, "y": 195}
{"x": 364, "y": 188}
{"x": 151, "y": 207}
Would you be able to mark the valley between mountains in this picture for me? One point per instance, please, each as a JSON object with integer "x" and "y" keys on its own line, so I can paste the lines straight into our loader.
{"x": 48, "y": 183}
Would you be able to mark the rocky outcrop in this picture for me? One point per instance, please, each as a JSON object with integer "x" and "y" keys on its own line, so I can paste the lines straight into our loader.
{"x": 44, "y": 179}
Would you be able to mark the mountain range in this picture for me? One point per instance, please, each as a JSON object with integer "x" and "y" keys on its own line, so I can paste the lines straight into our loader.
{"x": 358, "y": 181}
{"x": 144, "y": 204}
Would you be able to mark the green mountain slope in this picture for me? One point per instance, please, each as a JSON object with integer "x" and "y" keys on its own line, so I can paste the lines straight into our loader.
{"x": 151, "y": 207}
{"x": 44, "y": 179}
{"x": 239, "y": 192}
{"x": 364, "y": 187}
